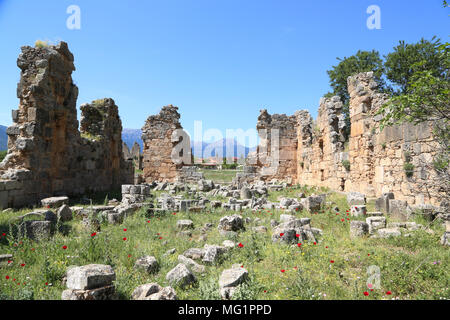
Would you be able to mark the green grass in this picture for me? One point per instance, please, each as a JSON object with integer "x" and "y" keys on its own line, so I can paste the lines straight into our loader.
{"x": 411, "y": 267}
{"x": 219, "y": 176}
{"x": 3, "y": 155}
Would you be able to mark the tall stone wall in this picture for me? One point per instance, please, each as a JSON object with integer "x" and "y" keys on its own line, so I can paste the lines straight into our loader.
{"x": 268, "y": 166}
{"x": 377, "y": 158}
{"x": 47, "y": 154}
{"x": 371, "y": 161}
{"x": 157, "y": 132}
{"x": 320, "y": 150}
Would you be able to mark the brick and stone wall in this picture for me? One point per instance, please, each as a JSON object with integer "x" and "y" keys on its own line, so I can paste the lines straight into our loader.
{"x": 265, "y": 159}
{"x": 377, "y": 157}
{"x": 321, "y": 150}
{"x": 47, "y": 154}
{"x": 158, "y": 164}
{"x": 371, "y": 161}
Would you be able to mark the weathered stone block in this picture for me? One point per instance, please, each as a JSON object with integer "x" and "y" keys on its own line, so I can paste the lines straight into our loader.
{"x": 104, "y": 293}
{"x": 356, "y": 198}
{"x": 376, "y": 223}
{"x": 382, "y": 203}
{"x": 36, "y": 230}
{"x": 90, "y": 276}
{"x": 180, "y": 276}
{"x": 358, "y": 229}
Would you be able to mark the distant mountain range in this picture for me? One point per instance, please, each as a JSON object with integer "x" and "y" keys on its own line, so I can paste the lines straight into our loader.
{"x": 225, "y": 147}
{"x": 3, "y": 138}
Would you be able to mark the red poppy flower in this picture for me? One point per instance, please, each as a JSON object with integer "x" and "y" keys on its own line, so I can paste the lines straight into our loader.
{"x": 46, "y": 283}
{"x": 125, "y": 229}
{"x": 265, "y": 291}
{"x": 299, "y": 244}
{"x": 281, "y": 234}
{"x": 315, "y": 243}
{"x": 93, "y": 234}
{"x": 3, "y": 234}
{"x": 282, "y": 270}
{"x": 22, "y": 265}
{"x": 388, "y": 293}
{"x": 7, "y": 277}
{"x": 240, "y": 245}
{"x": 32, "y": 249}
{"x": 366, "y": 293}
{"x": 124, "y": 239}
{"x": 326, "y": 247}
{"x": 129, "y": 256}
{"x": 331, "y": 261}
{"x": 64, "y": 247}
{"x": 148, "y": 221}
{"x": 160, "y": 238}
{"x": 297, "y": 235}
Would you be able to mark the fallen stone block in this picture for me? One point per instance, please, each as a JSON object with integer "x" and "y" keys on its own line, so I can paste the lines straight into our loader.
{"x": 191, "y": 264}
{"x": 358, "y": 229}
{"x": 358, "y": 211}
{"x": 153, "y": 291}
{"x": 147, "y": 263}
{"x": 104, "y": 293}
{"x": 376, "y": 223}
{"x": 54, "y": 202}
{"x": 356, "y": 198}
{"x": 90, "y": 276}
{"x": 230, "y": 279}
{"x": 388, "y": 232}
{"x": 180, "y": 276}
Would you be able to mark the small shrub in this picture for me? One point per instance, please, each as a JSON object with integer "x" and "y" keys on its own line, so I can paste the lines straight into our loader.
{"x": 409, "y": 169}
{"x": 383, "y": 145}
{"x": 440, "y": 163}
{"x": 3, "y": 155}
{"x": 41, "y": 44}
{"x": 346, "y": 164}
{"x": 209, "y": 290}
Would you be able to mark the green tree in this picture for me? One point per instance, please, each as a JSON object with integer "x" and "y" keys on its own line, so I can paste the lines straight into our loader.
{"x": 408, "y": 59}
{"x": 362, "y": 61}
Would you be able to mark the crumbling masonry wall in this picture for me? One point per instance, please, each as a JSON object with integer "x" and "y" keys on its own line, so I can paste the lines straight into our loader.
{"x": 266, "y": 162}
{"x": 47, "y": 154}
{"x": 320, "y": 150}
{"x": 377, "y": 157}
{"x": 371, "y": 162}
{"x": 158, "y": 145}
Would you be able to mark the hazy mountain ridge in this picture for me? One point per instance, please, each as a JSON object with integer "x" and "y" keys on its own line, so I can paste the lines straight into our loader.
{"x": 224, "y": 147}
{"x": 3, "y": 138}
{"x": 228, "y": 147}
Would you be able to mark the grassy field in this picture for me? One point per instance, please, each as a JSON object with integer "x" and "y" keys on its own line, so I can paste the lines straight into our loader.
{"x": 336, "y": 267}
{"x": 219, "y": 176}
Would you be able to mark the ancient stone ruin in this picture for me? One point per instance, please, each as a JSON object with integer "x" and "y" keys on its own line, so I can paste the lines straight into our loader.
{"x": 167, "y": 154}
{"x": 315, "y": 152}
{"x": 47, "y": 154}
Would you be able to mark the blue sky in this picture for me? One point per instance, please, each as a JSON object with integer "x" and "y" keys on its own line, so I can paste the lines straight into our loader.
{"x": 219, "y": 61}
